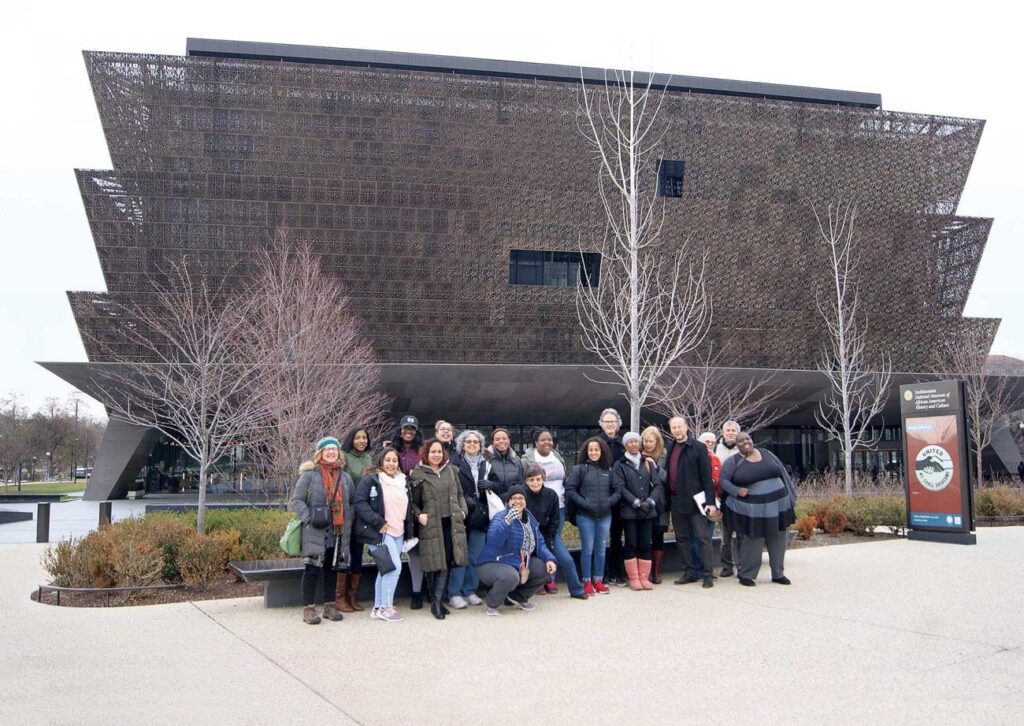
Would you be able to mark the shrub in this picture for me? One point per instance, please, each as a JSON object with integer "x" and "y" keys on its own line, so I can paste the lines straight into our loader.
{"x": 137, "y": 563}
{"x": 806, "y": 507}
{"x": 862, "y": 516}
{"x": 834, "y": 521}
{"x": 59, "y": 562}
{"x": 1006, "y": 502}
{"x": 805, "y": 526}
{"x": 259, "y": 530}
{"x": 892, "y": 512}
{"x": 202, "y": 558}
{"x": 93, "y": 562}
{"x": 167, "y": 532}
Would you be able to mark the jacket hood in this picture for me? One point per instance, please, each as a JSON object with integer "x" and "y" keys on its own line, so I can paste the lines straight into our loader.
{"x": 306, "y": 466}
{"x": 493, "y": 454}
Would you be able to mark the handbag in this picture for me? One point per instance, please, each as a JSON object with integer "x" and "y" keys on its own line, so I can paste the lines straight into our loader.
{"x": 494, "y": 504}
{"x": 291, "y": 540}
{"x": 321, "y": 515}
{"x": 382, "y": 556}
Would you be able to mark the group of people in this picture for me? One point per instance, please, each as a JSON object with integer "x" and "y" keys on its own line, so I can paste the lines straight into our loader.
{"x": 474, "y": 516}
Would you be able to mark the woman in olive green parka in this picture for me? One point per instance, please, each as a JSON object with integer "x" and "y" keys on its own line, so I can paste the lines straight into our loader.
{"x": 440, "y": 510}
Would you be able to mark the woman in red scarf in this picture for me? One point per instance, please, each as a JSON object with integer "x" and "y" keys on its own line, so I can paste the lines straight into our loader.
{"x": 323, "y": 500}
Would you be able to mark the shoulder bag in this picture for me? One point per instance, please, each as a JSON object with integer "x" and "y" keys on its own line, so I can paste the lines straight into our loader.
{"x": 382, "y": 556}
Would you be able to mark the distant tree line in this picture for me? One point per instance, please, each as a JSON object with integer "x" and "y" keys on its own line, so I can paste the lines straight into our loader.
{"x": 58, "y": 440}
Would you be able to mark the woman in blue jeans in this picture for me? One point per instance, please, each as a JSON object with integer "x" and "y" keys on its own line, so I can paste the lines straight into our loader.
{"x": 384, "y": 515}
{"x": 475, "y": 476}
{"x": 590, "y": 497}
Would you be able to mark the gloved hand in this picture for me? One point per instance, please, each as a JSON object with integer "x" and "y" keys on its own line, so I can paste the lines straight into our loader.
{"x": 652, "y": 506}
{"x": 510, "y": 516}
{"x": 637, "y": 504}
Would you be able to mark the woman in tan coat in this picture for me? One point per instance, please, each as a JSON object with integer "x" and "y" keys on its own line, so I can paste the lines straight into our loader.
{"x": 440, "y": 510}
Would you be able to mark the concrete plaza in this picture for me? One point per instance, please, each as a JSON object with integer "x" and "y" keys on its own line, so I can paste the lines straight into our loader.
{"x": 905, "y": 632}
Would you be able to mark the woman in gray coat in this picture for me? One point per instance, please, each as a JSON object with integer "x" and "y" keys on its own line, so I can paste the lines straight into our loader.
{"x": 323, "y": 502}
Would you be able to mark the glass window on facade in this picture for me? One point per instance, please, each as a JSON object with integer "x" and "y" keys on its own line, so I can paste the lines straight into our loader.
{"x": 558, "y": 269}
{"x": 670, "y": 178}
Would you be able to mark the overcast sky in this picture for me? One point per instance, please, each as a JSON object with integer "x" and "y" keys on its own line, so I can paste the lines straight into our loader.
{"x": 949, "y": 59}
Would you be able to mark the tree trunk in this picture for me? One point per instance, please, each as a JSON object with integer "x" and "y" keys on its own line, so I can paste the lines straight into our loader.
{"x": 201, "y": 508}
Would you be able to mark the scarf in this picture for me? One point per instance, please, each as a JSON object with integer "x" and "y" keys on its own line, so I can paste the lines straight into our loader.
{"x": 330, "y": 474}
{"x": 635, "y": 458}
{"x": 396, "y": 482}
{"x": 474, "y": 465}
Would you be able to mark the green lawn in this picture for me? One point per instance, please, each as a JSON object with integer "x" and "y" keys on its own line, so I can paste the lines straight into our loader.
{"x": 46, "y": 487}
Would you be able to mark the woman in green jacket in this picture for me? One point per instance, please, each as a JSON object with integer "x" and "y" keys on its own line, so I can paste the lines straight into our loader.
{"x": 440, "y": 510}
{"x": 356, "y": 448}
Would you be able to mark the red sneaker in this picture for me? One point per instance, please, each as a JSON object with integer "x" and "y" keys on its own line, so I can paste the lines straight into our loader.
{"x": 588, "y": 587}
{"x": 550, "y": 588}
{"x": 601, "y": 587}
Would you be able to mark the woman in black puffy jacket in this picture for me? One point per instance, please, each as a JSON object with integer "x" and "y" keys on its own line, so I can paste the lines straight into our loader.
{"x": 635, "y": 478}
{"x": 590, "y": 497}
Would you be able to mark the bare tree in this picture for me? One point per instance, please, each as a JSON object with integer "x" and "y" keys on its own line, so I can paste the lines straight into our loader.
{"x": 13, "y": 443}
{"x": 322, "y": 375}
{"x": 989, "y": 398}
{"x": 651, "y": 306}
{"x": 707, "y": 393}
{"x": 195, "y": 381}
{"x": 857, "y": 392}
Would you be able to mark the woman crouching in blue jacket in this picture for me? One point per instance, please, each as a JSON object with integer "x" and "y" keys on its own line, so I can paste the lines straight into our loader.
{"x": 515, "y": 560}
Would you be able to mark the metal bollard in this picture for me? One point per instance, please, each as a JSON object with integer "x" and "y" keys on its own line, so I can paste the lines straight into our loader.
{"x": 105, "y": 511}
{"x": 43, "y": 522}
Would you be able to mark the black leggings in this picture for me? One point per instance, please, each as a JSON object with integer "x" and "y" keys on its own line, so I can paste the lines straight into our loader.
{"x": 355, "y": 562}
{"x": 658, "y": 539}
{"x": 638, "y": 538}
{"x": 311, "y": 577}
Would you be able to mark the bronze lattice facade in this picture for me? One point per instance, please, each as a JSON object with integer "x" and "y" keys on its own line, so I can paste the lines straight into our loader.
{"x": 415, "y": 185}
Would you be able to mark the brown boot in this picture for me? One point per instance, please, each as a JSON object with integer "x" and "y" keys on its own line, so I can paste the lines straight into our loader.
{"x": 352, "y": 593}
{"x": 656, "y": 566}
{"x": 309, "y": 616}
{"x": 633, "y": 574}
{"x": 644, "y": 567}
{"x": 341, "y": 595}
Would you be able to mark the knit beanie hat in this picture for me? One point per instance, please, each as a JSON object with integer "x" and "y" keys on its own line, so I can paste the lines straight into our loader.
{"x": 327, "y": 441}
{"x": 631, "y": 436}
{"x": 517, "y": 489}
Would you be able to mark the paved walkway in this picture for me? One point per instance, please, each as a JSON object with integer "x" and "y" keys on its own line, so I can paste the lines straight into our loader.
{"x": 895, "y": 631}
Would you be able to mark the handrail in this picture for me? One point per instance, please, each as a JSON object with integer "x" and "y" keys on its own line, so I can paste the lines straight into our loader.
{"x": 108, "y": 590}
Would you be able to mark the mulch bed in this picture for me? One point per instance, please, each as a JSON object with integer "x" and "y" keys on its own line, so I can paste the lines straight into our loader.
{"x": 825, "y": 540}
{"x": 226, "y": 586}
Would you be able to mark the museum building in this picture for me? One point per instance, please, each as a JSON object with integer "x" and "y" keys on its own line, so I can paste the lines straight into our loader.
{"x": 452, "y": 197}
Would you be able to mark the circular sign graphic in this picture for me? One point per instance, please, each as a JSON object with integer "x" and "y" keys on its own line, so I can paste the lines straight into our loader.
{"x": 909, "y": 395}
{"x": 934, "y": 468}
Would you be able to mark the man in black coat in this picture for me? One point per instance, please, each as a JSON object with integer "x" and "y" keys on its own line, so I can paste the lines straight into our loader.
{"x": 689, "y": 473}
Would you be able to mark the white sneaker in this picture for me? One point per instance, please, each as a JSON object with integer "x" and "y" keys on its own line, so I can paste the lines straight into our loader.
{"x": 474, "y": 600}
{"x": 457, "y": 602}
{"x": 389, "y": 615}
{"x": 374, "y": 614}
{"x": 492, "y": 612}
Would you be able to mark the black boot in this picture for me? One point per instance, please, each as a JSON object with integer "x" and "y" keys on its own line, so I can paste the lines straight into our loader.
{"x": 417, "y": 601}
{"x": 430, "y": 581}
{"x": 442, "y": 587}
